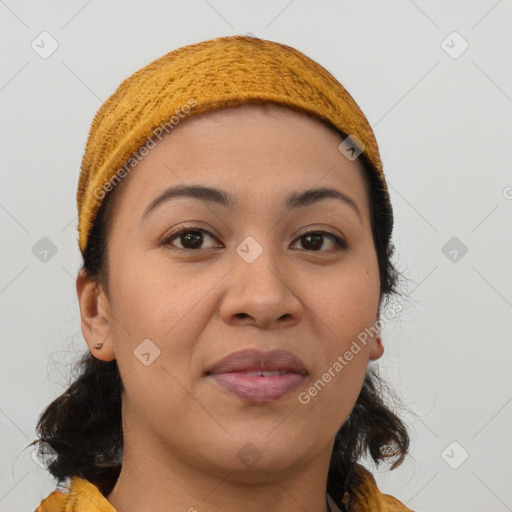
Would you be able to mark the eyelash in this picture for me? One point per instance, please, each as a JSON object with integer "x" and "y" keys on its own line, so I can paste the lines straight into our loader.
{"x": 339, "y": 243}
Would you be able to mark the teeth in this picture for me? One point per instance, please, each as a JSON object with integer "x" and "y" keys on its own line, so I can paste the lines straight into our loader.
{"x": 271, "y": 374}
{"x": 257, "y": 373}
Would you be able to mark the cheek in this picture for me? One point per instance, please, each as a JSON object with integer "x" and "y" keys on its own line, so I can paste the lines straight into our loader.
{"x": 147, "y": 294}
{"x": 154, "y": 333}
{"x": 160, "y": 301}
{"x": 348, "y": 304}
{"x": 347, "y": 312}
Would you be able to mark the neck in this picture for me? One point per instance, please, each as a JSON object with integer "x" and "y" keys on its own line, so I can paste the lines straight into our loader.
{"x": 154, "y": 480}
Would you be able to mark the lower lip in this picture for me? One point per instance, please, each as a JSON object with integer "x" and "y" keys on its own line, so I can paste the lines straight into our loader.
{"x": 258, "y": 388}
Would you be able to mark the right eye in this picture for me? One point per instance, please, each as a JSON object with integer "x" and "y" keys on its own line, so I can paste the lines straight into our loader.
{"x": 191, "y": 238}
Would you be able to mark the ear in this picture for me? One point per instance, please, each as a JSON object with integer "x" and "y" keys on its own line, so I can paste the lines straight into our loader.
{"x": 376, "y": 346}
{"x": 95, "y": 314}
{"x": 376, "y": 349}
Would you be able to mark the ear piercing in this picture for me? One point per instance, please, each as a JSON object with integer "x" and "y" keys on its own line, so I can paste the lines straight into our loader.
{"x": 98, "y": 345}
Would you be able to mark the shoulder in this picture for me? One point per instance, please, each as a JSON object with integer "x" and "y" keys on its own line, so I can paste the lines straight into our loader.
{"x": 80, "y": 494}
{"x": 365, "y": 496}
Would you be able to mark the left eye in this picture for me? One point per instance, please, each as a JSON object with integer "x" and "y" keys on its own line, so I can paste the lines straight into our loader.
{"x": 315, "y": 239}
{"x": 192, "y": 239}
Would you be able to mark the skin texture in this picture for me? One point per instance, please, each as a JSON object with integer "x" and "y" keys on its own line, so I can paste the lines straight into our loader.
{"x": 183, "y": 433}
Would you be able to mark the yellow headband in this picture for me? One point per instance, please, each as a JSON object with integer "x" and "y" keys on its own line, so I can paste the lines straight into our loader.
{"x": 201, "y": 77}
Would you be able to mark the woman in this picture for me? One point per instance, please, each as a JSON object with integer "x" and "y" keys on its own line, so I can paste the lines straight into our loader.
{"x": 235, "y": 227}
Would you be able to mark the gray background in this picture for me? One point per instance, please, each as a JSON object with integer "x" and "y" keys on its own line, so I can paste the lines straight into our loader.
{"x": 443, "y": 120}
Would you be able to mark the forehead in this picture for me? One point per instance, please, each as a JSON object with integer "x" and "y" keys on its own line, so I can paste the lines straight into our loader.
{"x": 268, "y": 117}
{"x": 261, "y": 149}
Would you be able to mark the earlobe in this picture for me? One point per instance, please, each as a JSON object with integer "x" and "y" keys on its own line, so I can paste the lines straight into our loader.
{"x": 94, "y": 315}
{"x": 376, "y": 346}
{"x": 376, "y": 349}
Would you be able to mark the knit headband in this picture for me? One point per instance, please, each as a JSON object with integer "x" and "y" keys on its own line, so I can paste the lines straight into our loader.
{"x": 202, "y": 77}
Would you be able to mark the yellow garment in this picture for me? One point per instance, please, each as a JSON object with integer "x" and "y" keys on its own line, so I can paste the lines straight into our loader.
{"x": 199, "y": 78}
{"x": 86, "y": 497}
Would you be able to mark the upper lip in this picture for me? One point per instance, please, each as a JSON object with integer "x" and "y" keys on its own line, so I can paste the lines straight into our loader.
{"x": 251, "y": 360}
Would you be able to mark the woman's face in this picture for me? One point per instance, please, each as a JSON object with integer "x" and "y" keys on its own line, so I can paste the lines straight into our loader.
{"x": 242, "y": 276}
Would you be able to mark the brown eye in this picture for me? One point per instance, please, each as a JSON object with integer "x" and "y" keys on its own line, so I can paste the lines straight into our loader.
{"x": 314, "y": 241}
{"x": 193, "y": 238}
{"x": 190, "y": 238}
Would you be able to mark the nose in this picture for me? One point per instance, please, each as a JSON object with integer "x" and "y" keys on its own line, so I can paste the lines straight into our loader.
{"x": 261, "y": 294}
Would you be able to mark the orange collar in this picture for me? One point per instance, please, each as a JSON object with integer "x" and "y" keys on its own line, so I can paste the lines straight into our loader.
{"x": 84, "y": 496}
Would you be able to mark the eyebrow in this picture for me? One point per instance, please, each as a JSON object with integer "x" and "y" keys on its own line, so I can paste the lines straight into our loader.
{"x": 297, "y": 199}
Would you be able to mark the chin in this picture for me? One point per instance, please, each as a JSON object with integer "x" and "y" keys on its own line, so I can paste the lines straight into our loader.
{"x": 250, "y": 460}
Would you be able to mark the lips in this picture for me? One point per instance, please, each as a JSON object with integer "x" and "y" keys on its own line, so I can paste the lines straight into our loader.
{"x": 258, "y": 376}
{"x": 253, "y": 360}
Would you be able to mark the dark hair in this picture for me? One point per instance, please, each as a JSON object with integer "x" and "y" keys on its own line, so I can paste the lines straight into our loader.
{"x": 84, "y": 426}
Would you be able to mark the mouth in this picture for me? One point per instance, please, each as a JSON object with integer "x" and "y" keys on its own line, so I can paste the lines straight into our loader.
{"x": 257, "y": 376}
{"x": 258, "y": 388}
{"x": 263, "y": 373}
